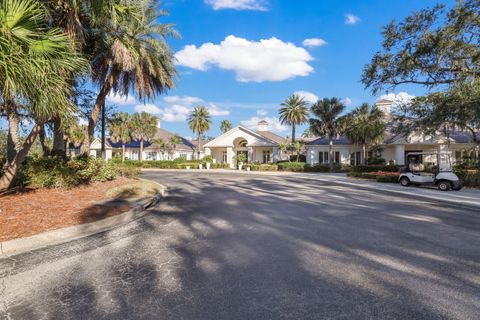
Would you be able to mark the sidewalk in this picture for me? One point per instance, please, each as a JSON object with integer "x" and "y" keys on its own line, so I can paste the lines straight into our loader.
{"x": 465, "y": 198}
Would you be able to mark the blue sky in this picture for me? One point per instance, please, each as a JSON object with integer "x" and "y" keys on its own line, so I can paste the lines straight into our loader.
{"x": 225, "y": 38}
{"x": 241, "y": 58}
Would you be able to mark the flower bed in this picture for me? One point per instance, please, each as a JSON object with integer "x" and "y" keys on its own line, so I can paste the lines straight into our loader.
{"x": 379, "y": 176}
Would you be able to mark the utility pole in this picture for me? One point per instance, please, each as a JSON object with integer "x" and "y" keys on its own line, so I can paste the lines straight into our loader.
{"x": 103, "y": 132}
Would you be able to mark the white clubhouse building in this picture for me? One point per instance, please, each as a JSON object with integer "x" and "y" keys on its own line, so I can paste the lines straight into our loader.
{"x": 262, "y": 146}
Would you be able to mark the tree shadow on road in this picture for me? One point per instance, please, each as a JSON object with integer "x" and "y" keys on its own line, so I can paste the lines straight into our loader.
{"x": 256, "y": 248}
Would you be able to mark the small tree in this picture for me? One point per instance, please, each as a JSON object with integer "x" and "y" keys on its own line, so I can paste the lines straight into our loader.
{"x": 172, "y": 143}
{"x": 143, "y": 127}
{"x": 284, "y": 147}
{"x": 328, "y": 122}
{"x": 199, "y": 122}
{"x": 294, "y": 112}
{"x": 120, "y": 126}
{"x": 366, "y": 126}
{"x": 225, "y": 126}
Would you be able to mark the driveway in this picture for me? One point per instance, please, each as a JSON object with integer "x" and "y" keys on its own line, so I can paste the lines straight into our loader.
{"x": 253, "y": 247}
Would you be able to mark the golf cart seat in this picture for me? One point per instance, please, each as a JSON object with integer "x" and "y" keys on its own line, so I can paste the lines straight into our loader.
{"x": 418, "y": 168}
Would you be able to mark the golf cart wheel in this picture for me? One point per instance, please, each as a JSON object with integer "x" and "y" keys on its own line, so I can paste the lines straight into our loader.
{"x": 444, "y": 186}
{"x": 404, "y": 181}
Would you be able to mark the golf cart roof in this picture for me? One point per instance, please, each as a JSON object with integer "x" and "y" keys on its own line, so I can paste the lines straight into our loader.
{"x": 427, "y": 153}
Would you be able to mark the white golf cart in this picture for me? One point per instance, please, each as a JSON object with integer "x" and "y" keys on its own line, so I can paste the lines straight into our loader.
{"x": 442, "y": 176}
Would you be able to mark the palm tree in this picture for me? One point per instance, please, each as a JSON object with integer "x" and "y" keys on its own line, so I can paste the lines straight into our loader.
{"x": 294, "y": 112}
{"x": 161, "y": 145}
{"x": 225, "y": 126}
{"x": 328, "y": 121}
{"x": 366, "y": 126}
{"x": 131, "y": 55}
{"x": 119, "y": 126}
{"x": 143, "y": 127}
{"x": 284, "y": 147}
{"x": 299, "y": 147}
{"x": 172, "y": 143}
{"x": 36, "y": 67}
{"x": 199, "y": 122}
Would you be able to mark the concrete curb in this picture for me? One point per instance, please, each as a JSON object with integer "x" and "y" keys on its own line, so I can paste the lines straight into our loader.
{"x": 54, "y": 237}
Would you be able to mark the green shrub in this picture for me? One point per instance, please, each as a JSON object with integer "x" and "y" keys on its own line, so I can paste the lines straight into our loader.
{"x": 263, "y": 167}
{"x": 375, "y": 168}
{"x": 292, "y": 166}
{"x": 180, "y": 160}
{"x": 127, "y": 171}
{"x": 362, "y": 175}
{"x": 469, "y": 177}
{"x": 207, "y": 159}
{"x": 219, "y": 166}
{"x": 319, "y": 168}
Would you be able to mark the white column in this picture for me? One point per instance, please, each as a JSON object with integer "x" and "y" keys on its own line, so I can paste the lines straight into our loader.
{"x": 230, "y": 155}
{"x": 108, "y": 154}
{"x": 400, "y": 154}
{"x": 250, "y": 154}
{"x": 208, "y": 152}
{"x": 275, "y": 154}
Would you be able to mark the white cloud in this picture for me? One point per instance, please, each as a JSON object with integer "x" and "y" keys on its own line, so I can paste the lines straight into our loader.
{"x": 347, "y": 101}
{"x": 307, "y": 96}
{"x": 120, "y": 100}
{"x": 175, "y": 113}
{"x": 274, "y": 123}
{"x": 82, "y": 121}
{"x": 215, "y": 110}
{"x": 351, "y": 19}
{"x": 257, "y": 61}
{"x": 314, "y": 42}
{"x": 147, "y": 107}
{"x": 401, "y": 98}
{"x": 262, "y": 112}
{"x": 238, "y": 4}
{"x": 185, "y": 100}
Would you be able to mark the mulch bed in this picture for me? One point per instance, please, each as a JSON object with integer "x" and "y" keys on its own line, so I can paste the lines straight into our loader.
{"x": 27, "y": 212}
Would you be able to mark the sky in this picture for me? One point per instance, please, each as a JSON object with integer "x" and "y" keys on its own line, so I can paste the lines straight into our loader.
{"x": 242, "y": 58}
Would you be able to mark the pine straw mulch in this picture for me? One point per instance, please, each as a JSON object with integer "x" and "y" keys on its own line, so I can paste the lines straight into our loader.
{"x": 27, "y": 212}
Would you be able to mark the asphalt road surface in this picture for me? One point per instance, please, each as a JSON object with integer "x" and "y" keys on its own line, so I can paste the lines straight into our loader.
{"x": 226, "y": 246}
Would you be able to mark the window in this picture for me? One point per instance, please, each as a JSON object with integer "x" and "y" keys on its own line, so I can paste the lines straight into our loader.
{"x": 224, "y": 157}
{"x": 243, "y": 144}
{"x": 151, "y": 156}
{"x": 323, "y": 157}
{"x": 355, "y": 158}
{"x": 134, "y": 155}
{"x": 266, "y": 156}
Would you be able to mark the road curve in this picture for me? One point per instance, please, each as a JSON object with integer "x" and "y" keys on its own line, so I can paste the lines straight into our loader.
{"x": 253, "y": 247}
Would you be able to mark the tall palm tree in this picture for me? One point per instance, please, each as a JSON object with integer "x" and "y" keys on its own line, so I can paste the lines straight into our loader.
{"x": 143, "y": 127}
{"x": 366, "y": 125}
{"x": 119, "y": 126}
{"x": 294, "y": 112}
{"x": 131, "y": 55}
{"x": 225, "y": 126}
{"x": 199, "y": 122}
{"x": 328, "y": 121}
{"x": 36, "y": 66}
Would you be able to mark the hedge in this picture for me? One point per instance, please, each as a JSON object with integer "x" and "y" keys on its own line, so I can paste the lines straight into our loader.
{"x": 292, "y": 166}
{"x": 263, "y": 167}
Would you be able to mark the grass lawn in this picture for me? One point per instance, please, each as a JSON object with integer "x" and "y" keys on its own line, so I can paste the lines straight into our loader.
{"x": 30, "y": 211}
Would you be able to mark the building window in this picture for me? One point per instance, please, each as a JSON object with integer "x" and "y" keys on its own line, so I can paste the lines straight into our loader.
{"x": 355, "y": 158}
{"x": 267, "y": 156}
{"x": 323, "y": 157}
{"x": 243, "y": 144}
{"x": 134, "y": 155}
{"x": 151, "y": 156}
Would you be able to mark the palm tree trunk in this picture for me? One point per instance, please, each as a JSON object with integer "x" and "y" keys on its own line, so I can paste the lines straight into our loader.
{"x": 198, "y": 147}
{"x": 13, "y": 138}
{"x": 293, "y": 133}
{"x": 58, "y": 139}
{"x": 330, "y": 152}
{"x": 123, "y": 152}
{"x": 43, "y": 142}
{"x": 364, "y": 151}
{"x": 93, "y": 118}
{"x": 11, "y": 170}
{"x": 141, "y": 149}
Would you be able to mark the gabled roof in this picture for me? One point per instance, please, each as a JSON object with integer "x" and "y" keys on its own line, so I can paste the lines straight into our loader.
{"x": 271, "y": 136}
{"x": 266, "y": 136}
{"x": 322, "y": 141}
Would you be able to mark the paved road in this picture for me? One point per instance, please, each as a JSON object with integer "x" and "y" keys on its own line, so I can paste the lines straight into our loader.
{"x": 249, "y": 247}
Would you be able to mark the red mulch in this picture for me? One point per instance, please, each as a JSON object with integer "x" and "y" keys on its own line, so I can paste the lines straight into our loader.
{"x": 28, "y": 212}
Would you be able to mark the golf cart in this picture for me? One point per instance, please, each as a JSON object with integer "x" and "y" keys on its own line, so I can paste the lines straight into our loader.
{"x": 442, "y": 176}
